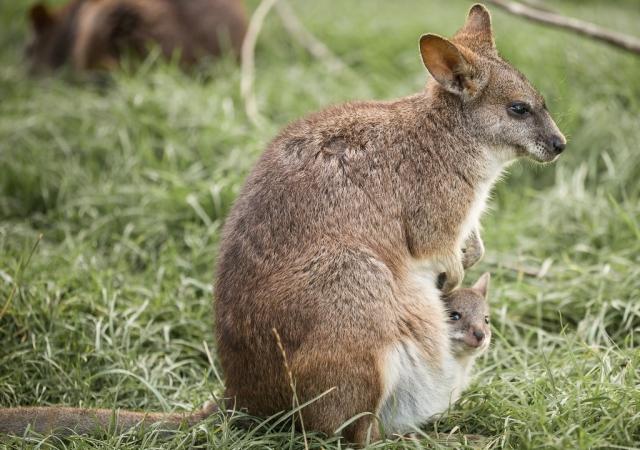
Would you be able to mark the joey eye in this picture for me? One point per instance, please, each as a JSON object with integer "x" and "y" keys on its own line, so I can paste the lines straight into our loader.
{"x": 486, "y": 319}
{"x": 454, "y": 315}
{"x": 519, "y": 109}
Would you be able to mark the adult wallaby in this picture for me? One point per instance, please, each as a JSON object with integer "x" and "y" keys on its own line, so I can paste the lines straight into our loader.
{"x": 92, "y": 34}
{"x": 335, "y": 241}
{"x": 330, "y": 255}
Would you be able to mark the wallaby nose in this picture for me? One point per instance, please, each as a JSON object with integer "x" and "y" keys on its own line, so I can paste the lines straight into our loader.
{"x": 558, "y": 143}
{"x": 479, "y": 335}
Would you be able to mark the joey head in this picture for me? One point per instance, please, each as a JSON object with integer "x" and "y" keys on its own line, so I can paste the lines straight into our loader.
{"x": 469, "y": 325}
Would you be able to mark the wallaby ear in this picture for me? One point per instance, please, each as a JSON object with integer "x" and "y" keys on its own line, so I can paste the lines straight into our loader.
{"x": 482, "y": 285}
{"x": 478, "y": 20}
{"x": 476, "y": 34}
{"x": 446, "y": 63}
{"x": 40, "y": 17}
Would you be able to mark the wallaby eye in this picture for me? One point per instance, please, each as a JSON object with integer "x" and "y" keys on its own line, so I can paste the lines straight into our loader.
{"x": 455, "y": 315}
{"x": 519, "y": 109}
{"x": 486, "y": 319}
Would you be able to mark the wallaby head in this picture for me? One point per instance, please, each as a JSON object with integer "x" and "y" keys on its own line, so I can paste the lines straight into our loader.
{"x": 468, "y": 309}
{"x": 502, "y": 109}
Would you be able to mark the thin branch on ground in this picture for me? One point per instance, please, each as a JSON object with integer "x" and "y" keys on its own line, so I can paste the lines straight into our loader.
{"x": 620, "y": 40}
{"x": 523, "y": 268}
{"x": 315, "y": 47}
{"x": 247, "y": 70}
{"x": 296, "y": 30}
{"x": 537, "y": 4}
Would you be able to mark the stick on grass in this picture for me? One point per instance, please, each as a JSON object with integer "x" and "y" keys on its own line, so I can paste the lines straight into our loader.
{"x": 315, "y": 47}
{"x": 623, "y": 41}
{"x": 247, "y": 70}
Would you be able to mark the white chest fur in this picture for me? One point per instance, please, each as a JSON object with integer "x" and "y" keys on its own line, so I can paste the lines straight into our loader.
{"x": 493, "y": 170}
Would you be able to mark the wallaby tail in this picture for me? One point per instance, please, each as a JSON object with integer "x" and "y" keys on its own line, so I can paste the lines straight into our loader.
{"x": 62, "y": 420}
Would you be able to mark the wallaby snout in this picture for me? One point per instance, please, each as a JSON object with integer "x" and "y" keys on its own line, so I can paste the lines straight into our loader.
{"x": 558, "y": 143}
{"x": 553, "y": 141}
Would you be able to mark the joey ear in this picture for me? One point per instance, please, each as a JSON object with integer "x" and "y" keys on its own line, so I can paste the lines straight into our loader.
{"x": 446, "y": 63}
{"x": 40, "y": 17}
{"x": 482, "y": 285}
{"x": 477, "y": 34}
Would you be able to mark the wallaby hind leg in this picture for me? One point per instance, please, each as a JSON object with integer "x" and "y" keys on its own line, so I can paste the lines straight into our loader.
{"x": 343, "y": 351}
{"x": 352, "y": 386}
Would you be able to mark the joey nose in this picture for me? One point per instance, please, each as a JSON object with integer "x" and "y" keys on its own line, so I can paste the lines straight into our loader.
{"x": 558, "y": 143}
{"x": 479, "y": 335}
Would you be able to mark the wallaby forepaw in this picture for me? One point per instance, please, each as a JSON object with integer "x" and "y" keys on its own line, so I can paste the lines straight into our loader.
{"x": 473, "y": 250}
{"x": 454, "y": 273}
{"x": 472, "y": 254}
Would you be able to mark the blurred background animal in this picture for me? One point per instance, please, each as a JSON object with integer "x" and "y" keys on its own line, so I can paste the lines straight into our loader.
{"x": 96, "y": 34}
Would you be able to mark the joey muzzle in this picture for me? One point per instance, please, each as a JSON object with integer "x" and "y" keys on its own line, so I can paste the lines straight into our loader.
{"x": 474, "y": 338}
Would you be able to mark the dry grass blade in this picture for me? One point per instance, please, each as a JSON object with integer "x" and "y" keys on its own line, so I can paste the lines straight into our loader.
{"x": 296, "y": 403}
{"x": 16, "y": 280}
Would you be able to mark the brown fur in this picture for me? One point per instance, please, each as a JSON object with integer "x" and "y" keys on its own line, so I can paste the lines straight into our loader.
{"x": 91, "y": 34}
{"x": 321, "y": 242}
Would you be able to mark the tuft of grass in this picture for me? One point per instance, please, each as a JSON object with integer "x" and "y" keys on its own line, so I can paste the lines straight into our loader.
{"x": 129, "y": 182}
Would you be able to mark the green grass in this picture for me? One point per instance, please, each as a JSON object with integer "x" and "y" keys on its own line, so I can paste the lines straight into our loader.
{"x": 129, "y": 185}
